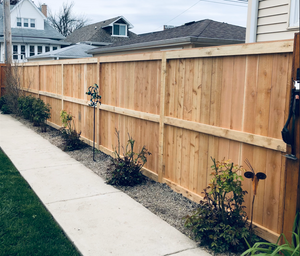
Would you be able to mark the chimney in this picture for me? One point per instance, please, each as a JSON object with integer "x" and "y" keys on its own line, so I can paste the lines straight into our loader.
{"x": 44, "y": 9}
{"x": 168, "y": 27}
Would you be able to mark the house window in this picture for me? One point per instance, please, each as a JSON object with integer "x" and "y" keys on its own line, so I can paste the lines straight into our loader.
{"x": 25, "y": 23}
{"x": 31, "y": 50}
{"x": 47, "y": 48}
{"x": 119, "y": 30}
{"x": 19, "y": 22}
{"x": 32, "y": 23}
{"x": 294, "y": 13}
{"x": 40, "y": 49}
{"x": 23, "y": 52}
{"x": 54, "y": 48}
{"x": 15, "y": 52}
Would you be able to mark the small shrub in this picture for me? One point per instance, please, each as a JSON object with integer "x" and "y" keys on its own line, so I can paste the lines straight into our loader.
{"x": 286, "y": 249}
{"x": 70, "y": 135}
{"x": 4, "y": 107}
{"x": 220, "y": 222}
{"x": 126, "y": 169}
{"x": 25, "y": 104}
{"x": 2, "y": 101}
{"x": 41, "y": 112}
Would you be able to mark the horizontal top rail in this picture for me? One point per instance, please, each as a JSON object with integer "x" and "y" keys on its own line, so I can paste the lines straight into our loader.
{"x": 234, "y": 50}
{"x": 284, "y": 46}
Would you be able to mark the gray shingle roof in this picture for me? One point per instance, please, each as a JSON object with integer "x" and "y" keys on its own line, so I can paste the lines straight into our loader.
{"x": 96, "y": 33}
{"x": 73, "y": 51}
{"x": 48, "y": 32}
{"x": 206, "y": 29}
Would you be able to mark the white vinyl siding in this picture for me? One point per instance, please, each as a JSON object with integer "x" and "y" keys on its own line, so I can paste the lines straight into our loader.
{"x": 273, "y": 20}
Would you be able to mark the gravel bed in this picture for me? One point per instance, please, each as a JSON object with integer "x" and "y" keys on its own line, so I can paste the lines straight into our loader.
{"x": 157, "y": 197}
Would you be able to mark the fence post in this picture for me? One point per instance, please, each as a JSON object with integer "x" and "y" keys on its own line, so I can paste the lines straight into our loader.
{"x": 292, "y": 168}
{"x": 161, "y": 164}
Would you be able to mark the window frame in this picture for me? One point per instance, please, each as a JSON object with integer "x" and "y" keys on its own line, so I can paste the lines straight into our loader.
{"x": 30, "y": 52}
{"x": 38, "y": 49}
{"x": 26, "y": 22}
{"x": 15, "y": 53}
{"x": 19, "y": 22}
{"x": 32, "y": 22}
{"x": 292, "y": 4}
{"x": 23, "y": 53}
{"x": 119, "y": 24}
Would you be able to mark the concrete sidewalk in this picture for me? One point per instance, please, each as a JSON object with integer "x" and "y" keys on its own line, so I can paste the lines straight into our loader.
{"x": 99, "y": 219}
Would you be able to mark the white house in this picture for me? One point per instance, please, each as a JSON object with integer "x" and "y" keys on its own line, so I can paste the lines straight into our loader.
{"x": 31, "y": 33}
{"x": 270, "y": 20}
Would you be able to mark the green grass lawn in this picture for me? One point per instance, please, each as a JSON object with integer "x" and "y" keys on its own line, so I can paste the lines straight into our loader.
{"x": 26, "y": 227}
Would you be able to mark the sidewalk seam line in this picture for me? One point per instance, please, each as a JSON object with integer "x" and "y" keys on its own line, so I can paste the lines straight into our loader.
{"x": 72, "y": 199}
{"x": 173, "y": 253}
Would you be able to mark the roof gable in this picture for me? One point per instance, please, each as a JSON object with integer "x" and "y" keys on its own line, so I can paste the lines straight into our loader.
{"x": 119, "y": 19}
{"x": 20, "y": 5}
{"x": 98, "y": 32}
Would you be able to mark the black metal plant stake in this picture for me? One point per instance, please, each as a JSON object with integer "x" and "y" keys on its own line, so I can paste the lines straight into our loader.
{"x": 255, "y": 179}
{"x": 93, "y": 91}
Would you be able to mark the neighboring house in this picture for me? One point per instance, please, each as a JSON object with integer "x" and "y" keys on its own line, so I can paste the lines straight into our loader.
{"x": 272, "y": 20}
{"x": 192, "y": 34}
{"x": 31, "y": 33}
{"x": 71, "y": 52}
{"x": 103, "y": 33}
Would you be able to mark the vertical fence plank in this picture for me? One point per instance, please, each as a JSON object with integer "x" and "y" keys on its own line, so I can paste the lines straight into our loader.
{"x": 162, "y": 117}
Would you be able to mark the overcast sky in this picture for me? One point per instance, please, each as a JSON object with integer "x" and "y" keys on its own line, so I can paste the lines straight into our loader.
{"x": 151, "y": 15}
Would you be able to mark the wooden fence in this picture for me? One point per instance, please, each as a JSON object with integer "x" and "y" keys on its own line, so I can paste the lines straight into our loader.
{"x": 2, "y": 79}
{"x": 186, "y": 106}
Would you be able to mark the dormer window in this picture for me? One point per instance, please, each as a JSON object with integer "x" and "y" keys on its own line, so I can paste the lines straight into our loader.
{"x": 32, "y": 23}
{"x": 19, "y": 22}
{"x": 25, "y": 23}
{"x": 120, "y": 30}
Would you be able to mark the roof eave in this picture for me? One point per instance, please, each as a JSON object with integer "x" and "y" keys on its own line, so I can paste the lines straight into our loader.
{"x": 164, "y": 43}
{"x": 138, "y": 46}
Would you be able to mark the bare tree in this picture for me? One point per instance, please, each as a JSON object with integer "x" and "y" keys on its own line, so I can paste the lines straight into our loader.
{"x": 65, "y": 22}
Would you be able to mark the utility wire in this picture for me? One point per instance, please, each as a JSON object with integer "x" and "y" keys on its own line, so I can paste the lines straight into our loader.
{"x": 237, "y": 1}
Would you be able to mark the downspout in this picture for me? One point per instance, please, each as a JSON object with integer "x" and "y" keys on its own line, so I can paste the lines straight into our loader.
{"x": 253, "y": 22}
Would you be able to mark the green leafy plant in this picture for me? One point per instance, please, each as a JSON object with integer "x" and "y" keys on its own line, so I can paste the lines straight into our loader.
{"x": 41, "y": 112}
{"x": 25, "y": 104}
{"x": 126, "y": 169}
{"x": 286, "y": 249}
{"x": 70, "y": 135}
{"x": 221, "y": 222}
{"x": 35, "y": 110}
{"x": 4, "y": 107}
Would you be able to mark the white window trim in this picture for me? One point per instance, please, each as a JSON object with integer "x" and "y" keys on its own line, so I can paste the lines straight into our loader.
{"x": 17, "y": 22}
{"x": 29, "y": 23}
{"x": 119, "y": 25}
{"x": 293, "y": 14}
